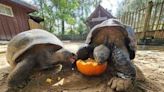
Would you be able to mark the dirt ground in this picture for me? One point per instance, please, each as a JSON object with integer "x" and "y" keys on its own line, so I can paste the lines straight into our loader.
{"x": 150, "y": 60}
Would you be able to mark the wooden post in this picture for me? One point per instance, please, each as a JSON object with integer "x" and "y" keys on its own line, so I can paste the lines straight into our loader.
{"x": 135, "y": 19}
{"x": 125, "y": 20}
{"x": 138, "y": 20}
{"x": 159, "y": 15}
{"x": 132, "y": 19}
{"x": 128, "y": 18}
{"x": 122, "y": 18}
{"x": 154, "y": 16}
{"x": 143, "y": 11}
{"x": 147, "y": 18}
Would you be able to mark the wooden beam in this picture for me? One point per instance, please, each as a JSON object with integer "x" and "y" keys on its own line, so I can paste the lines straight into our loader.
{"x": 154, "y": 16}
{"x": 159, "y": 15}
{"x": 147, "y": 18}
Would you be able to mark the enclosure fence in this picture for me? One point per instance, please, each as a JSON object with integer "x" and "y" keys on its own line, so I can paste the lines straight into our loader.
{"x": 147, "y": 21}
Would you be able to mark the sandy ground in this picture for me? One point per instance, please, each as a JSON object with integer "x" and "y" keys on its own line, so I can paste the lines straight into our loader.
{"x": 150, "y": 60}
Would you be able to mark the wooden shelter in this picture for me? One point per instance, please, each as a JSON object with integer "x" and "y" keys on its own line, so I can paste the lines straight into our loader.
{"x": 98, "y": 16}
{"x": 14, "y": 17}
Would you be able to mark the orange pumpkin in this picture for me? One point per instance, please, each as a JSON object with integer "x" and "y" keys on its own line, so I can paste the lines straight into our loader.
{"x": 90, "y": 68}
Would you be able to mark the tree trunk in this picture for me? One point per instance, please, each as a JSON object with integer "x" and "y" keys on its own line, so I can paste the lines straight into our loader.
{"x": 63, "y": 27}
{"x": 41, "y": 6}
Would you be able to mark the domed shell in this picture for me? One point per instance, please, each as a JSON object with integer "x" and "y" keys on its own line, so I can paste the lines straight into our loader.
{"x": 23, "y": 41}
{"x": 113, "y": 22}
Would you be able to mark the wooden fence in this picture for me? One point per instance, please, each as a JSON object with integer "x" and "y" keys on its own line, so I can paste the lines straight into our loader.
{"x": 147, "y": 21}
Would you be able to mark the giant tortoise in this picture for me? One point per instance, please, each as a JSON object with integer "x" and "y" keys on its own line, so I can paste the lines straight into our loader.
{"x": 114, "y": 42}
{"x": 34, "y": 49}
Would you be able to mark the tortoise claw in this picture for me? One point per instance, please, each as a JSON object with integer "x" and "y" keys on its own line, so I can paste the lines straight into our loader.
{"x": 119, "y": 84}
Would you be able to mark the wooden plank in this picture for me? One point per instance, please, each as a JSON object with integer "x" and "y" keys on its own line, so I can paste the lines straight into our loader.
{"x": 142, "y": 19}
{"x": 135, "y": 18}
{"x": 130, "y": 16}
{"x": 122, "y": 18}
{"x": 6, "y": 27}
{"x": 163, "y": 34}
{"x": 154, "y": 16}
{"x": 155, "y": 35}
{"x": 21, "y": 20}
{"x": 132, "y": 19}
{"x": 2, "y": 32}
{"x": 15, "y": 21}
{"x": 25, "y": 21}
{"x": 18, "y": 19}
{"x": 159, "y": 15}
{"x": 125, "y": 20}
{"x": 138, "y": 20}
{"x": 11, "y": 26}
{"x": 147, "y": 18}
{"x": 128, "y": 21}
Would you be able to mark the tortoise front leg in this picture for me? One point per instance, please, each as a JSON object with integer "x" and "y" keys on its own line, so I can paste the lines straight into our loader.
{"x": 18, "y": 77}
{"x": 124, "y": 70}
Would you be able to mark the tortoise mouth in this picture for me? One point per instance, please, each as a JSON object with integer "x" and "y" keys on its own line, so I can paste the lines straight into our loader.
{"x": 72, "y": 58}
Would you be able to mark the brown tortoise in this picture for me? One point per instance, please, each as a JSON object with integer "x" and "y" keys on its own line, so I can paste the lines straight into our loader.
{"x": 113, "y": 42}
{"x": 33, "y": 49}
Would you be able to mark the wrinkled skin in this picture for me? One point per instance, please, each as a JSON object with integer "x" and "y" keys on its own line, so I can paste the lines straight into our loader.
{"x": 122, "y": 63}
{"x": 38, "y": 57}
{"x": 124, "y": 70}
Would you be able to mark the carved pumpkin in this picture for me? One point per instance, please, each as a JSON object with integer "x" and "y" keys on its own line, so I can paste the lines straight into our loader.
{"x": 90, "y": 68}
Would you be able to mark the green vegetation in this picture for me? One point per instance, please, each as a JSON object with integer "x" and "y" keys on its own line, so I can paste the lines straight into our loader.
{"x": 63, "y": 17}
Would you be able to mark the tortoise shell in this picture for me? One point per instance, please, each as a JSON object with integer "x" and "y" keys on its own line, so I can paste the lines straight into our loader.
{"x": 25, "y": 40}
{"x": 117, "y": 32}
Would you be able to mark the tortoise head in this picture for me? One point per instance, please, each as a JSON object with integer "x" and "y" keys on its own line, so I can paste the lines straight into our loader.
{"x": 102, "y": 52}
{"x": 65, "y": 55}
